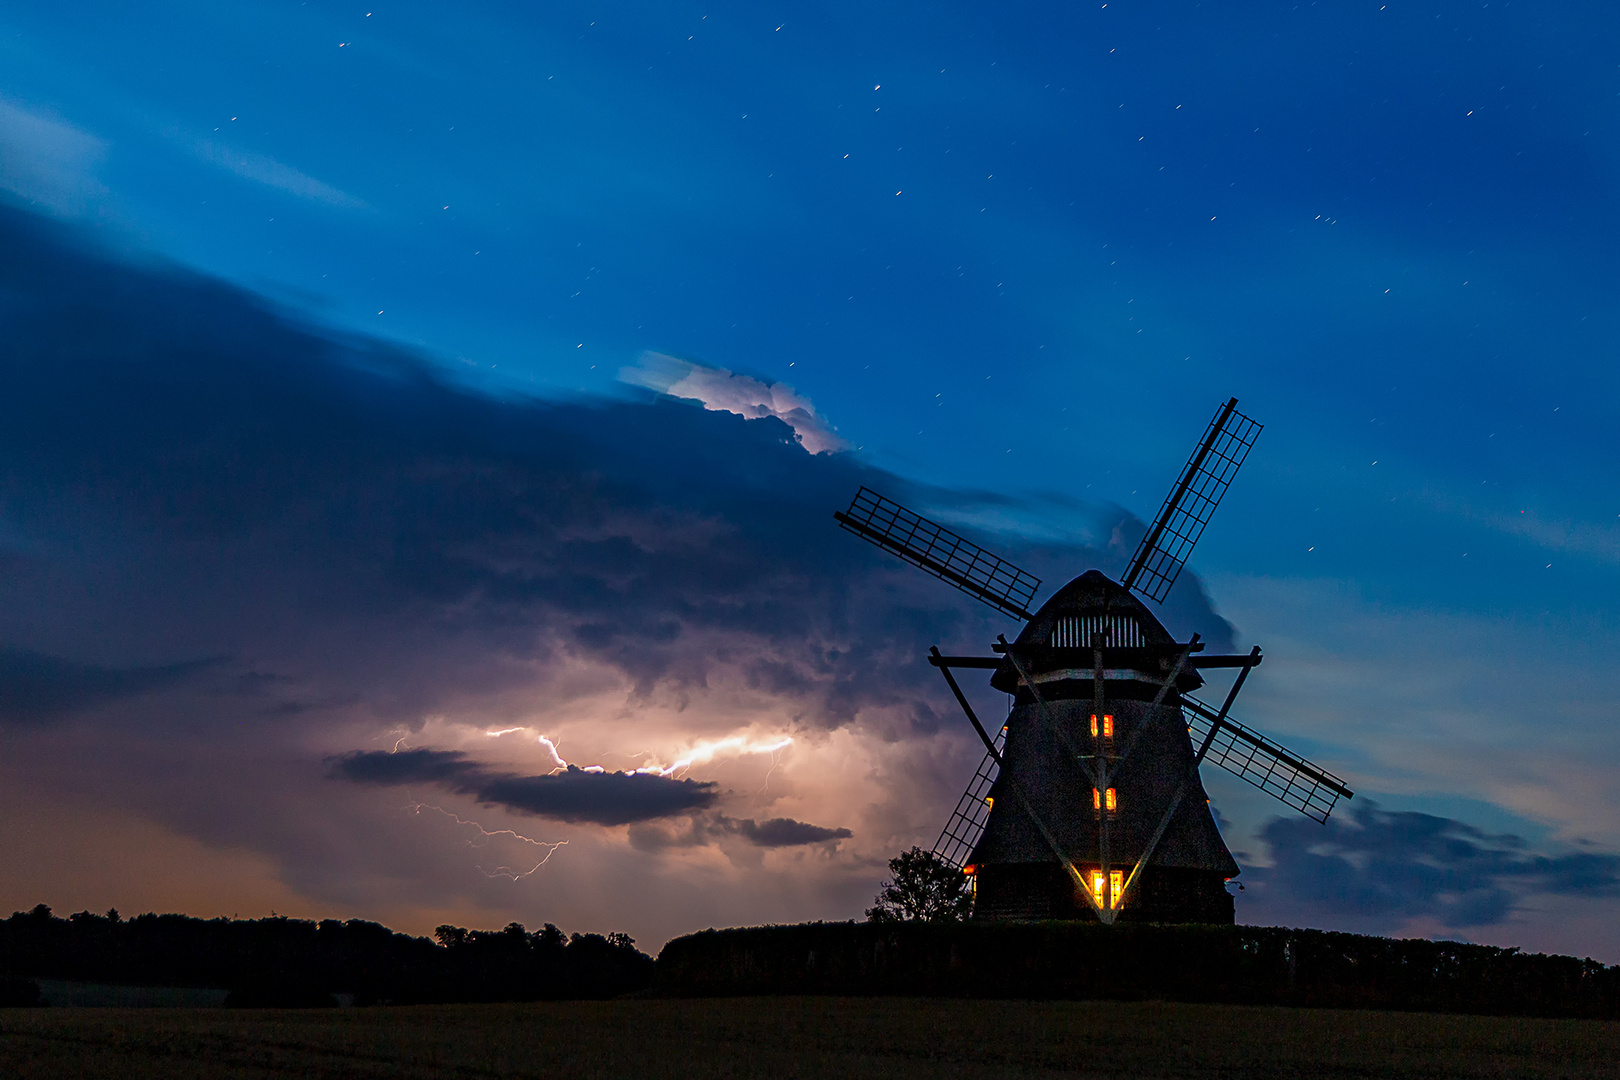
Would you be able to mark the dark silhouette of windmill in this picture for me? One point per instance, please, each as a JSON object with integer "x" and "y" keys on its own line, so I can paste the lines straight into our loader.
{"x": 1089, "y": 797}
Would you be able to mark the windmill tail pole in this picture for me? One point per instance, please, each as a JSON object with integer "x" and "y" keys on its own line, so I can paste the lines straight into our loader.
{"x": 961, "y": 699}
{"x": 1181, "y": 791}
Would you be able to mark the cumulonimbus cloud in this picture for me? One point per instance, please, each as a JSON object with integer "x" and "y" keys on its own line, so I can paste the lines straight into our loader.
{"x": 193, "y": 473}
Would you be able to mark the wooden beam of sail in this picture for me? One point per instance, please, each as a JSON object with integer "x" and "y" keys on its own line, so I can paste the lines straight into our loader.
{"x": 936, "y": 549}
{"x": 1249, "y": 755}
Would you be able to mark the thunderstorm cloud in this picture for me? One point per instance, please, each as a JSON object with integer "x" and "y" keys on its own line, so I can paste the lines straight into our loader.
{"x": 574, "y": 795}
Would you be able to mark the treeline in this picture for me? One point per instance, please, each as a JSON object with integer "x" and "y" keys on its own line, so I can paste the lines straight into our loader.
{"x": 279, "y": 961}
{"x": 1077, "y": 960}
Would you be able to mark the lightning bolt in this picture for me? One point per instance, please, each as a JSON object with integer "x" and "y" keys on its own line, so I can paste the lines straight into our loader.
{"x": 708, "y": 751}
{"x": 485, "y": 835}
{"x": 775, "y": 761}
{"x": 403, "y": 733}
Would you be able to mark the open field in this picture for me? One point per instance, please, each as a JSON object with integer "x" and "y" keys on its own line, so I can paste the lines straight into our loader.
{"x": 798, "y": 1037}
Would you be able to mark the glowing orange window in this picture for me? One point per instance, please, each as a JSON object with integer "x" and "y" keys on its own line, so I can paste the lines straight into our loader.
{"x": 1116, "y": 887}
{"x": 1098, "y": 885}
{"x": 1107, "y": 725}
{"x": 1112, "y": 800}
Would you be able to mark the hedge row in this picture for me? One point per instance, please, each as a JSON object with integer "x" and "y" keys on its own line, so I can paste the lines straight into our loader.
{"x": 295, "y": 962}
{"x": 1232, "y": 964}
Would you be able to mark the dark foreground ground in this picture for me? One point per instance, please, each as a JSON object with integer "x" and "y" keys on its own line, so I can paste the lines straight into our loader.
{"x": 798, "y": 1037}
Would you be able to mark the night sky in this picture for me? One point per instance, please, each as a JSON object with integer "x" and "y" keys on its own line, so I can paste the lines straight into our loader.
{"x": 420, "y": 428}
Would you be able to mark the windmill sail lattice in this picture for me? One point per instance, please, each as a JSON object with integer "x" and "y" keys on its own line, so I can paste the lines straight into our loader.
{"x": 1311, "y": 790}
{"x": 966, "y": 823}
{"x": 938, "y": 550}
{"x": 1187, "y": 509}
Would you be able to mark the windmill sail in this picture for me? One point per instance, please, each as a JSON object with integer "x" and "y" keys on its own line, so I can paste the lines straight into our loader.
{"x": 961, "y": 833}
{"x": 1311, "y": 790}
{"x": 936, "y": 549}
{"x": 1187, "y": 509}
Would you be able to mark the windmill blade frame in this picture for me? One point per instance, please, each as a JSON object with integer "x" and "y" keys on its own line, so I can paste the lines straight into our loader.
{"x": 930, "y": 546}
{"x": 1252, "y": 757}
{"x": 966, "y": 823}
{"x": 1191, "y": 503}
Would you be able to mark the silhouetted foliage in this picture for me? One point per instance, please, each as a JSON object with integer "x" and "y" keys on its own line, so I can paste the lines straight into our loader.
{"x": 18, "y": 993}
{"x": 1255, "y": 965}
{"x": 925, "y": 888}
{"x": 295, "y": 963}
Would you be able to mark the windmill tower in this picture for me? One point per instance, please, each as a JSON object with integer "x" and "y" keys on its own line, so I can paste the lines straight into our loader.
{"x": 1088, "y": 801}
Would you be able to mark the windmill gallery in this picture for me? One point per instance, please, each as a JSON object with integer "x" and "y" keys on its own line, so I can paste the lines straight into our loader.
{"x": 1088, "y": 803}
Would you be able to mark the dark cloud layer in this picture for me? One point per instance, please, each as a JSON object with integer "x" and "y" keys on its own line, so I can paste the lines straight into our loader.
{"x": 36, "y": 687}
{"x": 573, "y": 794}
{"x": 1389, "y": 866}
{"x": 578, "y": 795}
{"x": 784, "y": 832}
{"x": 703, "y": 829}
{"x": 254, "y": 473}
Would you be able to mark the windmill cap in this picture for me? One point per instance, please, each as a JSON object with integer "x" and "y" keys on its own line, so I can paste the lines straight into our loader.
{"x": 1091, "y": 603}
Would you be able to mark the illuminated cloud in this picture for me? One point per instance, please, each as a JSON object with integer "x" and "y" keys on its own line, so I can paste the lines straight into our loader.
{"x": 726, "y": 391}
{"x": 574, "y": 795}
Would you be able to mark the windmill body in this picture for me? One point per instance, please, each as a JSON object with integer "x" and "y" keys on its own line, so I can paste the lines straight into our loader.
{"x": 1088, "y": 802}
{"x": 1016, "y": 874}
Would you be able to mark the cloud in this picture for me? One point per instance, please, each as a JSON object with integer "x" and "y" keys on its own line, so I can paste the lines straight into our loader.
{"x": 573, "y": 795}
{"x": 36, "y": 687}
{"x": 268, "y": 171}
{"x": 1387, "y": 868}
{"x": 725, "y": 391}
{"x": 785, "y": 832}
{"x": 48, "y": 162}
{"x": 708, "y": 829}
{"x": 386, "y": 557}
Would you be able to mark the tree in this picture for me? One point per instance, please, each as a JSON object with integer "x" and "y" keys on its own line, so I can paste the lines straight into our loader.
{"x": 925, "y": 887}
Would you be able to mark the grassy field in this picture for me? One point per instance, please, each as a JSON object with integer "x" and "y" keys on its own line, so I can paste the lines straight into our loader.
{"x": 797, "y": 1037}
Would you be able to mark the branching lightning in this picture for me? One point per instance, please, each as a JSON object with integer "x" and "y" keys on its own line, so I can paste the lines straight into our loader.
{"x": 775, "y": 761}
{"x": 708, "y": 751}
{"x": 403, "y": 733}
{"x": 702, "y": 753}
{"x": 485, "y": 835}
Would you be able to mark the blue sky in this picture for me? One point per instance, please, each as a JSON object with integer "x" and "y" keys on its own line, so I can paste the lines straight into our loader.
{"x": 1015, "y": 255}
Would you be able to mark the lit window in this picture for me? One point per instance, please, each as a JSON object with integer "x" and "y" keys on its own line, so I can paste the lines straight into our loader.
{"x": 1113, "y": 800}
{"x": 1116, "y": 887}
{"x": 1107, "y": 725}
{"x": 1096, "y": 799}
{"x": 1098, "y": 884}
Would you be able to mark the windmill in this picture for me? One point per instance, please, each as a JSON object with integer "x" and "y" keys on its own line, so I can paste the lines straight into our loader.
{"x": 1089, "y": 798}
